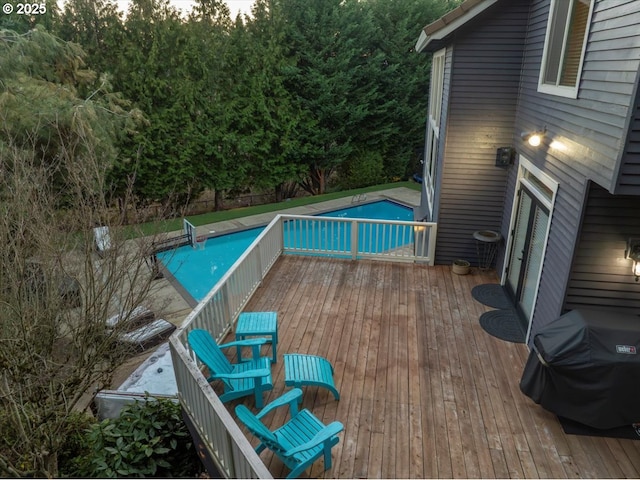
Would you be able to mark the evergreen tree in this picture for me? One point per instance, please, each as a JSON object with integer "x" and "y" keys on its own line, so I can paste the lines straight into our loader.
{"x": 320, "y": 82}
{"x": 48, "y": 101}
{"x": 359, "y": 86}
{"x": 268, "y": 118}
{"x": 222, "y": 168}
{"x": 212, "y": 13}
{"x": 374, "y": 134}
{"x": 302, "y": 90}
{"x": 404, "y": 81}
{"x": 26, "y": 16}
{"x": 97, "y": 26}
{"x": 154, "y": 73}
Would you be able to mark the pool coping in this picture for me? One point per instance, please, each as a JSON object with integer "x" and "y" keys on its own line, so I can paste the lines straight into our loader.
{"x": 315, "y": 213}
{"x": 403, "y": 195}
{"x": 175, "y": 283}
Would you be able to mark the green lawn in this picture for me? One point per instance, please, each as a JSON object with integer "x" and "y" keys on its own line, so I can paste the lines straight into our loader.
{"x": 213, "y": 217}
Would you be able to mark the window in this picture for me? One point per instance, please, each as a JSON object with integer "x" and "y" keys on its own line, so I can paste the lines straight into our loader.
{"x": 564, "y": 47}
{"x": 435, "y": 95}
{"x": 433, "y": 124}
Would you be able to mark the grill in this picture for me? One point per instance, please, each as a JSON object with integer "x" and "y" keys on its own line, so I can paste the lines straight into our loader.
{"x": 585, "y": 366}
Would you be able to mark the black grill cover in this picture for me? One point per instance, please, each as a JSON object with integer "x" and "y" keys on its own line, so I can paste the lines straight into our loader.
{"x": 585, "y": 366}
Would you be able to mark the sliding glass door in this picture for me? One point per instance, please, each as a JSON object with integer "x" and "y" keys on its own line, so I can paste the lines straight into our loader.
{"x": 526, "y": 255}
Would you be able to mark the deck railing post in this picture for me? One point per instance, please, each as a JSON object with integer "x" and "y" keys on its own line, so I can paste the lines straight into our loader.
{"x": 432, "y": 243}
{"x": 226, "y": 301}
{"x": 259, "y": 262}
{"x": 354, "y": 239}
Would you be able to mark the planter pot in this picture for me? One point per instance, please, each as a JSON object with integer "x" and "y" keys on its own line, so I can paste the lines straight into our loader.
{"x": 460, "y": 267}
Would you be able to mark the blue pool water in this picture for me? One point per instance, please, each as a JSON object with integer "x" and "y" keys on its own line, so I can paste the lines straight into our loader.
{"x": 198, "y": 270}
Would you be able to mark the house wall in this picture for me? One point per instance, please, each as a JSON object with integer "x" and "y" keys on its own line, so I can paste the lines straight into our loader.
{"x": 512, "y": 182}
{"x": 482, "y": 100}
{"x": 592, "y": 127}
{"x": 601, "y": 277}
{"x": 629, "y": 179}
{"x": 589, "y": 129}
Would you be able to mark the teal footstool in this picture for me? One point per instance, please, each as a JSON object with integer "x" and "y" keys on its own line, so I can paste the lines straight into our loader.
{"x": 301, "y": 369}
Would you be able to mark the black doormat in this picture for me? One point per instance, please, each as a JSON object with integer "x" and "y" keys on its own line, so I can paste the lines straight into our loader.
{"x": 503, "y": 324}
{"x": 491, "y": 295}
{"x": 571, "y": 427}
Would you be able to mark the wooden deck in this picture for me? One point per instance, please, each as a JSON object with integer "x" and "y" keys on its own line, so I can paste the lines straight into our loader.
{"x": 425, "y": 392}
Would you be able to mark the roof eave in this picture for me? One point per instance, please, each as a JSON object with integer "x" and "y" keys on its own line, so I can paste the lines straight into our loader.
{"x": 423, "y": 41}
{"x": 449, "y": 23}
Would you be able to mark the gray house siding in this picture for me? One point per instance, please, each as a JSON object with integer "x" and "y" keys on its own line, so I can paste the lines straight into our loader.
{"x": 600, "y": 276}
{"x": 512, "y": 179}
{"x": 481, "y": 112}
{"x": 591, "y": 148}
{"x": 611, "y": 76}
{"x": 591, "y": 128}
{"x": 629, "y": 181}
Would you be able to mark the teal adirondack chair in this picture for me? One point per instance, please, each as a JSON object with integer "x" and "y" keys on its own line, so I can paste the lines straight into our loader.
{"x": 300, "y": 441}
{"x": 240, "y": 380}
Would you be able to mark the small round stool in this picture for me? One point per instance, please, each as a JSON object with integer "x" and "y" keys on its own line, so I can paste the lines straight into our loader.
{"x": 487, "y": 242}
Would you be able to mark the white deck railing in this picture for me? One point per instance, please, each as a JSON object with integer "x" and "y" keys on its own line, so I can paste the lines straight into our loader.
{"x": 219, "y": 310}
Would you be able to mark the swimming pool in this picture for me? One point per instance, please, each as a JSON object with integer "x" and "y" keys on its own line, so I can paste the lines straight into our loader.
{"x": 198, "y": 270}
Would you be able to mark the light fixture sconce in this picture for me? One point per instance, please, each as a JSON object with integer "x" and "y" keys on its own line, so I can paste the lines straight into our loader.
{"x": 534, "y": 138}
{"x": 633, "y": 253}
{"x": 505, "y": 156}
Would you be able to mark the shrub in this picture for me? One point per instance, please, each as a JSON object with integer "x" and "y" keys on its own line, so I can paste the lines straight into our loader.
{"x": 148, "y": 439}
{"x": 74, "y": 444}
{"x": 362, "y": 171}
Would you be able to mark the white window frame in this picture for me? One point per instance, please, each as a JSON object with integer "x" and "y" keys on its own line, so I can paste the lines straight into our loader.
{"x": 433, "y": 125}
{"x": 552, "y": 24}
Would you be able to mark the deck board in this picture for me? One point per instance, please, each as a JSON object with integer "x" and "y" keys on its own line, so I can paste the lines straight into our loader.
{"x": 425, "y": 392}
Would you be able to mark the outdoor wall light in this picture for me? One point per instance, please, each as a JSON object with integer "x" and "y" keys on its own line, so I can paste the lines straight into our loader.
{"x": 534, "y": 138}
{"x": 633, "y": 253}
{"x": 505, "y": 156}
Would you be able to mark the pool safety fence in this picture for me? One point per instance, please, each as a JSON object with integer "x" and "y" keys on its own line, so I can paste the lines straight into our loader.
{"x": 357, "y": 238}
